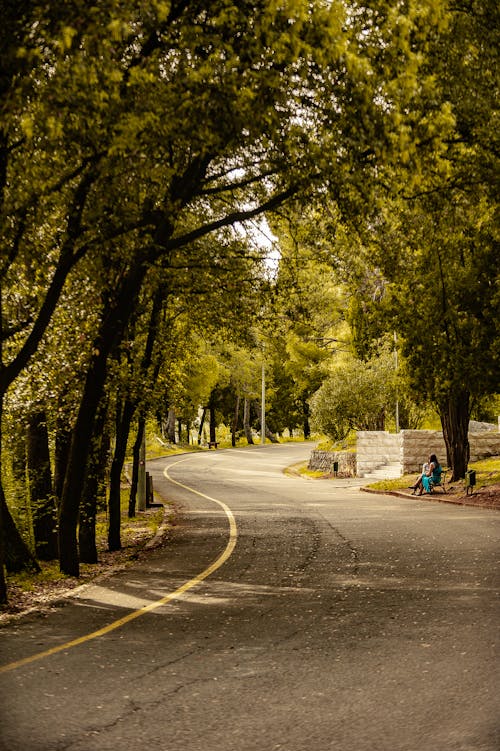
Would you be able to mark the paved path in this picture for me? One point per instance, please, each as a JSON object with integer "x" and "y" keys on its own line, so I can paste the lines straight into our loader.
{"x": 281, "y": 613}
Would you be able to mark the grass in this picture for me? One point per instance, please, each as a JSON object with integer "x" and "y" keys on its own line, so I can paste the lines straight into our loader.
{"x": 135, "y": 533}
{"x": 349, "y": 444}
{"x": 26, "y": 581}
{"x": 25, "y": 587}
{"x": 487, "y": 473}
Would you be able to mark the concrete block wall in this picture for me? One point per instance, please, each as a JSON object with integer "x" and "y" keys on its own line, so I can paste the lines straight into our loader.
{"x": 323, "y": 461}
{"x": 411, "y": 448}
{"x": 483, "y": 445}
{"x": 416, "y": 445}
{"x": 375, "y": 448}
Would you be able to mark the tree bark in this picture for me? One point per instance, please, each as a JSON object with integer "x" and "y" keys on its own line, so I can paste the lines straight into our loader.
{"x": 234, "y": 426}
{"x": 43, "y": 508}
{"x": 246, "y": 421}
{"x": 3, "y": 583}
{"x": 272, "y": 436}
{"x": 141, "y": 426}
{"x": 212, "y": 422}
{"x": 131, "y": 405}
{"x": 171, "y": 426}
{"x": 124, "y": 416}
{"x": 455, "y": 415}
{"x": 93, "y": 489}
{"x": 18, "y": 557}
{"x": 61, "y": 454}
{"x": 306, "y": 412}
{"x": 202, "y": 422}
{"x": 111, "y": 329}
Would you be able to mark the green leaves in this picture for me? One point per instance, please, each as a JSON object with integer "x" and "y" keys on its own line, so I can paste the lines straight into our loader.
{"x": 356, "y": 396}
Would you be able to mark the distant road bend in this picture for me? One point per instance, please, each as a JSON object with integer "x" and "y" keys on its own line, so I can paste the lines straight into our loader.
{"x": 281, "y": 613}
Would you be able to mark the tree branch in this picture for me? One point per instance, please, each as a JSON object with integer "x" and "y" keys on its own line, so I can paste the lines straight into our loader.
{"x": 230, "y": 219}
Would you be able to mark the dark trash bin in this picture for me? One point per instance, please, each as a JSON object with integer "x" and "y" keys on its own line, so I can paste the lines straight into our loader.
{"x": 470, "y": 480}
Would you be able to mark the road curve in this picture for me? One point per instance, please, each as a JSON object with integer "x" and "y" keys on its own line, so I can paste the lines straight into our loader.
{"x": 280, "y": 613}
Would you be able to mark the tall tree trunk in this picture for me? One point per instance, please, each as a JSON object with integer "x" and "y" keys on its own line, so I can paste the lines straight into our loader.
{"x": 141, "y": 427}
{"x": 61, "y": 454}
{"x": 43, "y": 508}
{"x": 305, "y": 413}
{"x": 93, "y": 488}
{"x": 246, "y": 421}
{"x": 267, "y": 432}
{"x": 202, "y": 422}
{"x": 87, "y": 543}
{"x": 18, "y": 557}
{"x": 3, "y": 583}
{"x": 234, "y": 426}
{"x": 19, "y": 494}
{"x": 171, "y": 425}
{"x": 455, "y": 415}
{"x": 212, "y": 424}
{"x": 380, "y": 422}
{"x": 131, "y": 405}
{"x": 272, "y": 436}
{"x": 112, "y": 327}
{"x": 124, "y": 414}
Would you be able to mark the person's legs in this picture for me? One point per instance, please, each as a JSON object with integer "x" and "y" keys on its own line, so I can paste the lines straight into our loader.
{"x": 418, "y": 484}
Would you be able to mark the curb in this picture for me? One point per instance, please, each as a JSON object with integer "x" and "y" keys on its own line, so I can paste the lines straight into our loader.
{"x": 441, "y": 498}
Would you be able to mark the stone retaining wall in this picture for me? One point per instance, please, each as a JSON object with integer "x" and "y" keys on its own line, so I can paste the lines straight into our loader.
{"x": 409, "y": 448}
{"x": 412, "y": 447}
{"x": 418, "y": 444}
{"x": 483, "y": 445}
{"x": 375, "y": 448}
{"x": 322, "y": 461}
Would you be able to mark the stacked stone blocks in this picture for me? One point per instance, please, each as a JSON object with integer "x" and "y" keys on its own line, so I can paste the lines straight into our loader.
{"x": 409, "y": 448}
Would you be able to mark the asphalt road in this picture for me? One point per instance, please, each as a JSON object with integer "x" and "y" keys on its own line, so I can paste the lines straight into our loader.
{"x": 291, "y": 614}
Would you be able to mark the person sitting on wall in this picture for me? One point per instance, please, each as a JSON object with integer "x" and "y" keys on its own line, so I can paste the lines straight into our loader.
{"x": 431, "y": 473}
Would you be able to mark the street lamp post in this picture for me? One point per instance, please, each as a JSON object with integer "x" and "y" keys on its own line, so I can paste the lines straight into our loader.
{"x": 396, "y": 366}
{"x": 263, "y": 406}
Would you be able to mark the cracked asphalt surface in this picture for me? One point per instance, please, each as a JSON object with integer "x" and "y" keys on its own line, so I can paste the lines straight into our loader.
{"x": 342, "y": 621}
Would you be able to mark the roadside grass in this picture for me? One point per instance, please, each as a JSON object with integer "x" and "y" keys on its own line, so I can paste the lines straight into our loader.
{"x": 135, "y": 534}
{"x": 301, "y": 469}
{"x": 32, "y": 590}
{"x": 487, "y": 473}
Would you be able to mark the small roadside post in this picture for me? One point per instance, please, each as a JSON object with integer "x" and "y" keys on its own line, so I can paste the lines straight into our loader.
{"x": 470, "y": 481}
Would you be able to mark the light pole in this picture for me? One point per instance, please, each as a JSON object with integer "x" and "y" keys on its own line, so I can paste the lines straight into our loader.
{"x": 263, "y": 405}
{"x": 396, "y": 366}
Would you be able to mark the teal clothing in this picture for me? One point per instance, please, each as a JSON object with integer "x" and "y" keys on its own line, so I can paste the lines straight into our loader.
{"x": 434, "y": 478}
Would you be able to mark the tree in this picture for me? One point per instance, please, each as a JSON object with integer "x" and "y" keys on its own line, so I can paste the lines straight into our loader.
{"x": 173, "y": 124}
{"x": 439, "y": 244}
{"x": 42, "y": 502}
{"x": 356, "y": 396}
{"x": 306, "y": 321}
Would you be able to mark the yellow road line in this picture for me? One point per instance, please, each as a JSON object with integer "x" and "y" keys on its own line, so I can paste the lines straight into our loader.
{"x": 233, "y": 534}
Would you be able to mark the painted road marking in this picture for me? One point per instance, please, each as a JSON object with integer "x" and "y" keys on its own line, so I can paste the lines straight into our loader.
{"x": 231, "y": 544}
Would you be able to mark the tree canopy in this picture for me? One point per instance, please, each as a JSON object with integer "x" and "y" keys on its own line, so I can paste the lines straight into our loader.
{"x": 138, "y": 142}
